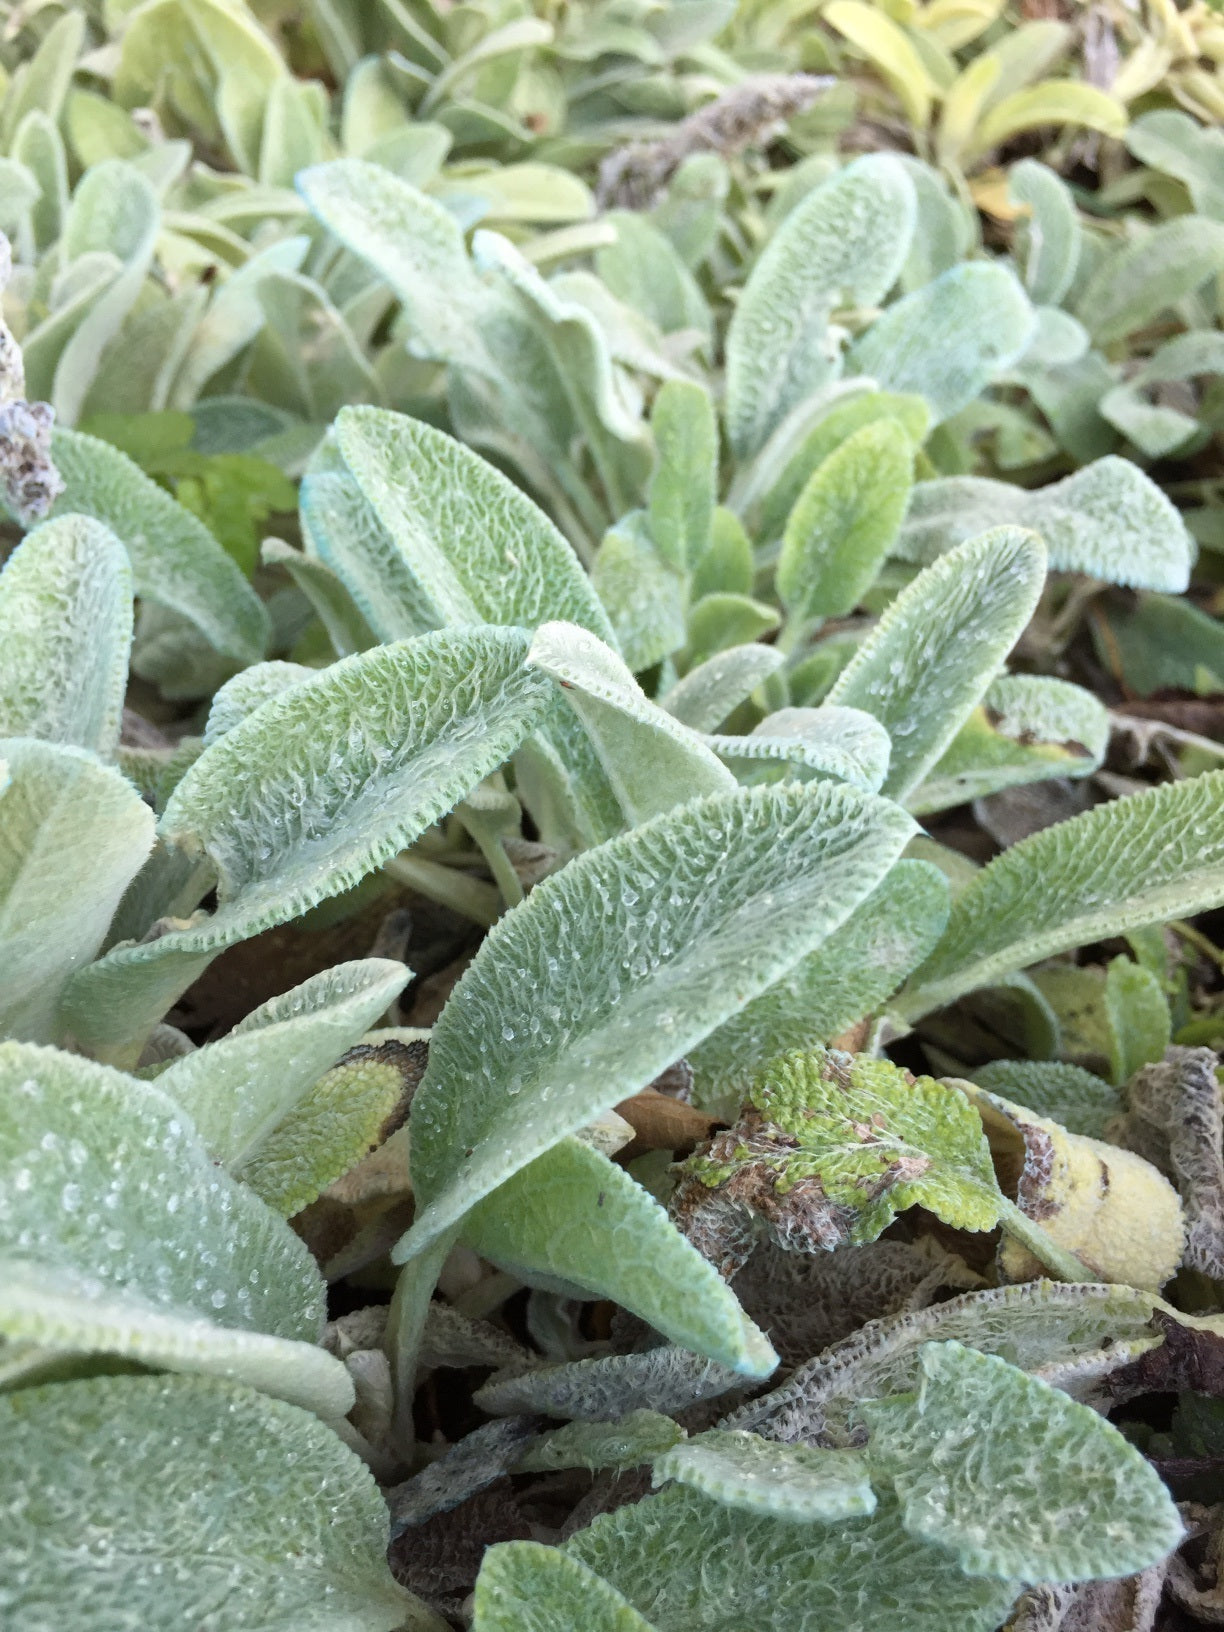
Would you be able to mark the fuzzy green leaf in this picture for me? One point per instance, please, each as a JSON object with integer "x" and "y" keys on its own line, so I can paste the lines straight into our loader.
{"x": 857, "y": 968}
{"x": 757, "y": 1571}
{"x": 651, "y": 760}
{"x": 1067, "y": 1094}
{"x": 1067, "y": 1335}
{"x": 174, "y": 1501}
{"x": 1147, "y": 276}
{"x": 414, "y": 243}
{"x": 845, "y": 743}
{"x": 524, "y": 1586}
{"x": 1052, "y": 238}
{"x": 1140, "y": 1026}
{"x": 845, "y": 244}
{"x": 722, "y": 619}
{"x": 1108, "y": 520}
{"x": 121, "y": 1237}
{"x": 1015, "y": 1479}
{"x": 176, "y": 561}
{"x": 683, "y": 489}
{"x": 840, "y": 419}
{"x": 617, "y": 1243}
{"x": 756, "y": 1475}
{"x": 1160, "y": 643}
{"x": 662, "y": 1379}
{"x": 340, "y": 1118}
{"x": 845, "y": 521}
{"x": 708, "y": 693}
{"x": 949, "y": 339}
{"x": 73, "y": 834}
{"x": 1135, "y": 861}
{"x": 368, "y": 755}
{"x": 342, "y": 530}
{"x": 239, "y": 1090}
{"x": 644, "y": 598}
{"x": 334, "y": 606}
{"x": 65, "y": 634}
{"x": 1172, "y": 141}
{"x": 926, "y": 664}
{"x": 249, "y": 690}
{"x": 594, "y": 1021}
{"x": 475, "y": 544}
{"x": 1027, "y": 728}
{"x": 639, "y": 1437}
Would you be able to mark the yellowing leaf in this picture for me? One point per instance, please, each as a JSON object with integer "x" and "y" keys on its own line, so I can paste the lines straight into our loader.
{"x": 1051, "y": 102}
{"x": 1108, "y": 1206}
{"x": 882, "y": 42}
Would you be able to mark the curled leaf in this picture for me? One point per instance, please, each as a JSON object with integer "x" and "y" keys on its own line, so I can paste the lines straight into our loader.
{"x": 830, "y": 1147}
{"x": 1108, "y": 1206}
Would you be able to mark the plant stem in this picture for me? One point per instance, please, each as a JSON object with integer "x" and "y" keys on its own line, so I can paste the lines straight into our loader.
{"x": 1061, "y": 1263}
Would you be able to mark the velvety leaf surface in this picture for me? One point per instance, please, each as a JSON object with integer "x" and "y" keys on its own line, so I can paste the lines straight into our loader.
{"x": 175, "y": 560}
{"x": 593, "y": 1023}
{"x": 73, "y": 833}
{"x": 1014, "y": 1478}
{"x": 641, "y": 1436}
{"x": 120, "y": 1236}
{"x": 845, "y": 243}
{"x": 782, "y": 1576}
{"x": 860, "y": 965}
{"x": 1108, "y": 520}
{"x": 365, "y": 756}
{"x": 932, "y": 655}
{"x": 948, "y": 340}
{"x": 651, "y": 760}
{"x": 476, "y": 545}
{"x": 65, "y": 633}
{"x": 618, "y": 1243}
{"x": 1131, "y": 862}
{"x": 526, "y": 1587}
{"x": 239, "y": 1089}
{"x": 133, "y": 1502}
{"x": 756, "y": 1475}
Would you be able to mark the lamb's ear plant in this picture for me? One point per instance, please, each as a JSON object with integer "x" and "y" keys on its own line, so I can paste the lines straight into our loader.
{"x": 495, "y": 909}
